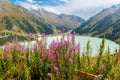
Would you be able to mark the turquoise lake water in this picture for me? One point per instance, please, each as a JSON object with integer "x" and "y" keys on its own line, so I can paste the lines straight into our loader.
{"x": 94, "y": 43}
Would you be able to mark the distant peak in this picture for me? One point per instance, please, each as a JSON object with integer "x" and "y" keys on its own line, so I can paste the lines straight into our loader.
{"x": 41, "y": 9}
{"x": 116, "y": 6}
{"x": 38, "y": 8}
{"x": 63, "y": 15}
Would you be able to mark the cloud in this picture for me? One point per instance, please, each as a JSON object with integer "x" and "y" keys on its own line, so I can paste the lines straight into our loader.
{"x": 48, "y": 2}
{"x": 83, "y": 8}
{"x": 64, "y": 0}
{"x": 30, "y": 1}
{"x": 28, "y": 6}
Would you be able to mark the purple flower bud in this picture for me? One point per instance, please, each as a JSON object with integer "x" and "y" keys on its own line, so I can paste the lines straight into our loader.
{"x": 8, "y": 47}
{"x": 14, "y": 41}
{"x": 56, "y": 69}
{"x": 43, "y": 34}
{"x": 70, "y": 60}
{"x": 77, "y": 47}
{"x": 35, "y": 48}
{"x": 63, "y": 29}
{"x": 29, "y": 35}
{"x": 65, "y": 55}
{"x": 49, "y": 74}
{"x": 18, "y": 47}
{"x": 73, "y": 37}
{"x": 74, "y": 33}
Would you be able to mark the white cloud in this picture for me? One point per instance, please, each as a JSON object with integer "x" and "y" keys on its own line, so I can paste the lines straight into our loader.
{"x": 64, "y": 0}
{"x": 30, "y": 1}
{"x": 28, "y": 6}
{"x": 83, "y": 8}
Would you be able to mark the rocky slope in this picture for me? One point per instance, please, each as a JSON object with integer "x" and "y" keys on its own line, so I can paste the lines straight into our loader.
{"x": 59, "y": 21}
{"x": 17, "y": 18}
{"x": 103, "y": 24}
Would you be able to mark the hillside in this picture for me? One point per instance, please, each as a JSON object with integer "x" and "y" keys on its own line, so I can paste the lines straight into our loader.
{"x": 59, "y": 21}
{"x": 17, "y": 18}
{"x": 102, "y": 24}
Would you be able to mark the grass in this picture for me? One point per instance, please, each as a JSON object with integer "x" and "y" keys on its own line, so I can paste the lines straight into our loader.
{"x": 61, "y": 61}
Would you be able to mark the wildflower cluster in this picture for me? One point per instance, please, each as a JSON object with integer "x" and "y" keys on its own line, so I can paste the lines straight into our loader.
{"x": 62, "y": 60}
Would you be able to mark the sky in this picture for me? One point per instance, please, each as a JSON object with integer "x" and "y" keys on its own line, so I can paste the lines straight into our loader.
{"x": 82, "y": 8}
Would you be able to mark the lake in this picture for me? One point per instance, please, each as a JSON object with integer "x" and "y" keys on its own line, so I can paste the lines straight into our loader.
{"x": 94, "y": 43}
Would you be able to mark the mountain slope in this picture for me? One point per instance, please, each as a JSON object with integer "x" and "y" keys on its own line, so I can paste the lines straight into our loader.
{"x": 17, "y": 18}
{"x": 59, "y": 21}
{"x": 112, "y": 32}
{"x": 102, "y": 24}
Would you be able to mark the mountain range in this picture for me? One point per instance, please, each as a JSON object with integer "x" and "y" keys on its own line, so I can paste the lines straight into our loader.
{"x": 16, "y": 20}
{"x": 104, "y": 24}
{"x": 59, "y": 21}
{"x": 19, "y": 20}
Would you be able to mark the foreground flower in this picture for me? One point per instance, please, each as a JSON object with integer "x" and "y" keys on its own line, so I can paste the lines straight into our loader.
{"x": 63, "y": 30}
{"x": 77, "y": 47}
{"x": 29, "y": 35}
{"x": 74, "y": 33}
{"x": 43, "y": 35}
{"x": 56, "y": 69}
{"x": 49, "y": 74}
{"x": 73, "y": 36}
{"x": 70, "y": 60}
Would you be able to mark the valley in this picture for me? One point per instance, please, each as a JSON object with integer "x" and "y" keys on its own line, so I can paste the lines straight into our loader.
{"x": 38, "y": 44}
{"x": 104, "y": 24}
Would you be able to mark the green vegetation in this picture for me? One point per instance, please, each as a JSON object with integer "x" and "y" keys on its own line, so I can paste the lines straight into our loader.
{"x": 105, "y": 23}
{"x": 18, "y": 19}
{"x": 61, "y": 61}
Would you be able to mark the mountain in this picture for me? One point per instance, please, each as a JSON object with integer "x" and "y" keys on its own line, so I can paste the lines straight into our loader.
{"x": 17, "y": 21}
{"x": 59, "y": 21}
{"x": 105, "y": 23}
{"x": 17, "y": 18}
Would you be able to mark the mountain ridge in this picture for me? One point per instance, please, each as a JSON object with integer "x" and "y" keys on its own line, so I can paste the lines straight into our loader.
{"x": 62, "y": 20}
{"x": 101, "y": 24}
{"x": 17, "y": 19}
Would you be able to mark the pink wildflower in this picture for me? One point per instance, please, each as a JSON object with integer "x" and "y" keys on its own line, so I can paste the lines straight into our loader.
{"x": 70, "y": 60}
{"x": 63, "y": 29}
{"x": 43, "y": 34}
{"x": 65, "y": 55}
{"x": 35, "y": 47}
{"x": 74, "y": 33}
{"x": 73, "y": 37}
{"x": 56, "y": 69}
{"x": 77, "y": 47}
{"x": 49, "y": 74}
{"x": 29, "y": 35}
